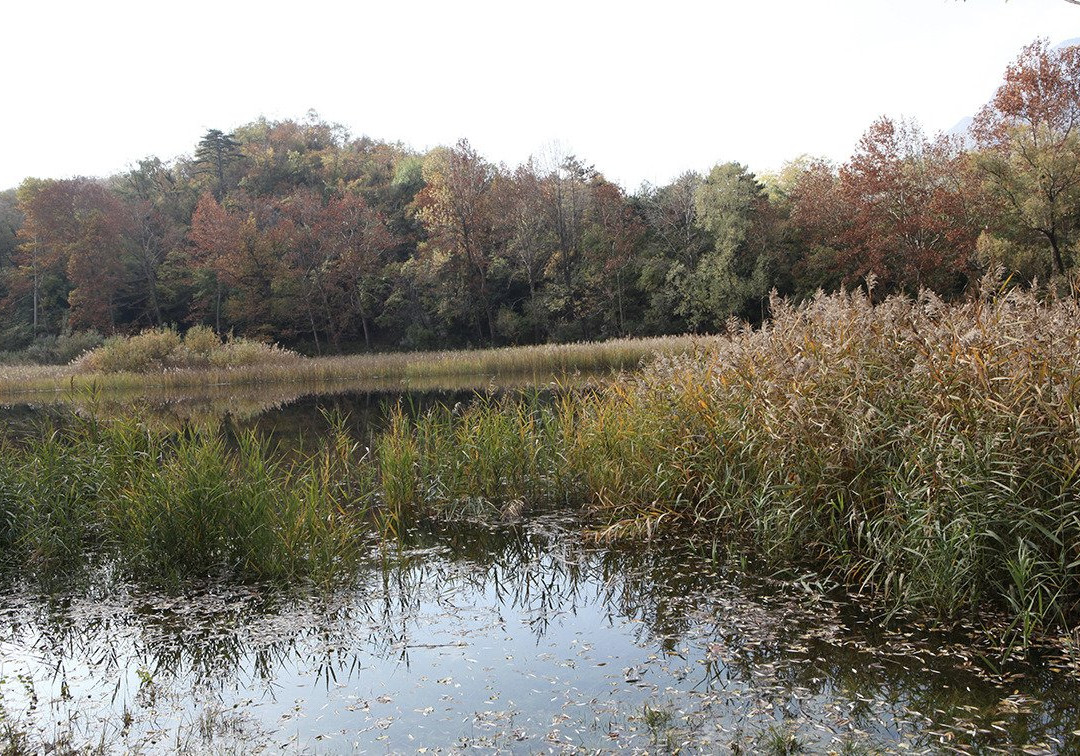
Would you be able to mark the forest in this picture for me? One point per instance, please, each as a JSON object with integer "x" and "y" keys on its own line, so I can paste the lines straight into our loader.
{"x": 298, "y": 233}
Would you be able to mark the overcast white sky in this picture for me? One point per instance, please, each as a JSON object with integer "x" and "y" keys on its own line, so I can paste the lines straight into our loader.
{"x": 643, "y": 91}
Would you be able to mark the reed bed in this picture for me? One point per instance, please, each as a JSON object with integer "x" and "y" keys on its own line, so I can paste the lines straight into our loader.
{"x": 925, "y": 453}
{"x": 179, "y": 505}
{"x": 159, "y": 350}
{"x": 283, "y": 367}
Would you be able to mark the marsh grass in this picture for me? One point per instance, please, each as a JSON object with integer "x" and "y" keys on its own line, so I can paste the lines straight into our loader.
{"x": 250, "y": 363}
{"x": 158, "y": 350}
{"x": 924, "y": 453}
{"x": 179, "y": 505}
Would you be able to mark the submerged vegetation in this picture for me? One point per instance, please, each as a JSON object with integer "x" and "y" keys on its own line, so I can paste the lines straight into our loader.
{"x": 922, "y": 452}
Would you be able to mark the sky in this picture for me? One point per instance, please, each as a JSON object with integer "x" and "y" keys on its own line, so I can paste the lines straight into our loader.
{"x": 643, "y": 91}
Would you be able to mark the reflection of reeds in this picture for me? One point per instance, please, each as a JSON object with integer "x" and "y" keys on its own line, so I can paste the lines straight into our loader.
{"x": 407, "y": 367}
{"x": 740, "y": 639}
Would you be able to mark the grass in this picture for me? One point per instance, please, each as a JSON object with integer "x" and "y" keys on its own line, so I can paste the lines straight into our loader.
{"x": 159, "y": 350}
{"x": 160, "y": 361}
{"x": 924, "y": 453}
{"x": 179, "y": 505}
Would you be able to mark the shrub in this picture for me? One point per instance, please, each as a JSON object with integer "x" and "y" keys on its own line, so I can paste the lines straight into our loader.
{"x": 241, "y": 352}
{"x": 143, "y": 352}
{"x": 200, "y": 342}
{"x": 163, "y": 348}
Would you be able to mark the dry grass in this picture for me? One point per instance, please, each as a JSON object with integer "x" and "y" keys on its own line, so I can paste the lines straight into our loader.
{"x": 160, "y": 350}
{"x": 923, "y": 452}
{"x": 926, "y": 453}
{"x": 553, "y": 359}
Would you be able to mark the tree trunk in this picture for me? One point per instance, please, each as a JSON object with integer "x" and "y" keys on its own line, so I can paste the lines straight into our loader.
{"x": 1059, "y": 262}
{"x": 217, "y": 309}
{"x": 363, "y": 317}
{"x": 36, "y": 287}
{"x": 37, "y": 284}
{"x": 314, "y": 331}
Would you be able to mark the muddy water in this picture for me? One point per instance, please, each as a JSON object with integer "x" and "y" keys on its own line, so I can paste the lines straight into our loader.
{"x": 519, "y": 637}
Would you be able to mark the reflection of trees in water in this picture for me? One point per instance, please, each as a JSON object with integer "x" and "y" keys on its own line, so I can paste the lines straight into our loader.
{"x": 749, "y": 637}
{"x": 284, "y": 410}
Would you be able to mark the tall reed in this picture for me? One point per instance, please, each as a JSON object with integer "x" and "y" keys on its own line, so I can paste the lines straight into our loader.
{"x": 924, "y": 452}
{"x": 249, "y": 363}
{"x": 184, "y": 504}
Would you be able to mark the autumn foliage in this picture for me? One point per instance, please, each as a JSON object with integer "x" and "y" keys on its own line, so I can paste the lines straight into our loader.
{"x": 295, "y": 232}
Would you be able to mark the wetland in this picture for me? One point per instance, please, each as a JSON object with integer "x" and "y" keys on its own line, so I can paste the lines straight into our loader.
{"x": 851, "y": 531}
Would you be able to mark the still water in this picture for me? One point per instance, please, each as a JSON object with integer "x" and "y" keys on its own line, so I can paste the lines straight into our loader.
{"x": 525, "y": 636}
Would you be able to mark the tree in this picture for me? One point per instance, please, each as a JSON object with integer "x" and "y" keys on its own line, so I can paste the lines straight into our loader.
{"x": 613, "y": 235}
{"x": 1029, "y": 134}
{"x": 10, "y": 222}
{"x": 729, "y": 204}
{"x": 899, "y": 209}
{"x": 360, "y": 241}
{"x": 147, "y": 194}
{"x": 677, "y": 243}
{"x": 96, "y": 262}
{"x": 215, "y": 235}
{"x": 215, "y": 152}
{"x": 46, "y": 210}
{"x": 566, "y": 189}
{"x": 819, "y": 215}
{"x": 336, "y": 252}
{"x": 454, "y": 207}
{"x": 77, "y": 225}
{"x": 522, "y": 207}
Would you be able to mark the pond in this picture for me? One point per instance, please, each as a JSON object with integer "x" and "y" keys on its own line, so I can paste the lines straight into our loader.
{"x": 288, "y": 413}
{"x": 520, "y": 636}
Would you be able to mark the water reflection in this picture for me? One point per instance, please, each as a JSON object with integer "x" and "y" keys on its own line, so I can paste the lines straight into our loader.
{"x": 289, "y": 414}
{"x": 521, "y": 637}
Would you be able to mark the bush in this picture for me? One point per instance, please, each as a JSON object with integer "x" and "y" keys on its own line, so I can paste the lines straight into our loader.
{"x": 163, "y": 348}
{"x": 201, "y": 342}
{"x": 241, "y": 352}
{"x": 141, "y": 353}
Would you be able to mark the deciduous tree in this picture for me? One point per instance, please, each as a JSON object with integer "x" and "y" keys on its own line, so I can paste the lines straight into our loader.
{"x": 1029, "y": 134}
{"x": 454, "y": 207}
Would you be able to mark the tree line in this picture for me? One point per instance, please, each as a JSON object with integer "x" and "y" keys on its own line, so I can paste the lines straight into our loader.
{"x": 293, "y": 231}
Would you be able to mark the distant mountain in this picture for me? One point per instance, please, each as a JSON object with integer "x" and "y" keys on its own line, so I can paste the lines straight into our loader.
{"x": 962, "y": 128}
